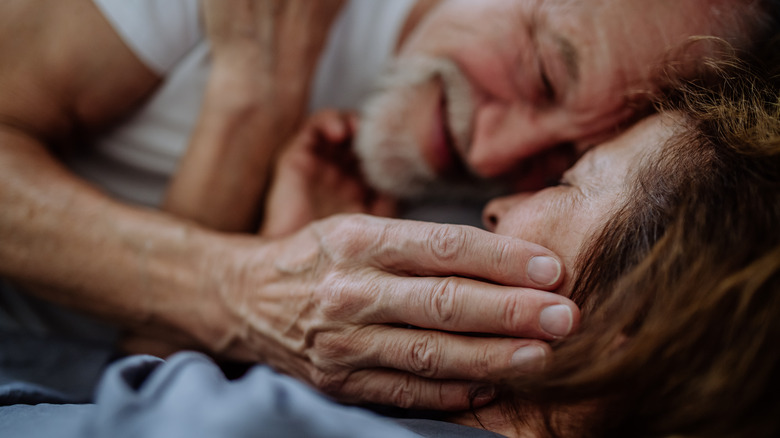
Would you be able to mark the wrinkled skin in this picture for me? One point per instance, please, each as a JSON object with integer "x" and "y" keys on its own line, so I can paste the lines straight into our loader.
{"x": 331, "y": 303}
{"x": 565, "y": 217}
{"x": 353, "y": 329}
{"x": 343, "y": 293}
{"x": 515, "y": 90}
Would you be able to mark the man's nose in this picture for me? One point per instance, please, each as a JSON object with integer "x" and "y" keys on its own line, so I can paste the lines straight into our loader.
{"x": 504, "y": 136}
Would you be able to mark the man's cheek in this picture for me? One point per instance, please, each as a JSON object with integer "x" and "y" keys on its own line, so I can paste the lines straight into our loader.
{"x": 543, "y": 170}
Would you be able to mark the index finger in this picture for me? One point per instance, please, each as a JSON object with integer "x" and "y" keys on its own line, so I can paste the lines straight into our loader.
{"x": 461, "y": 305}
{"x": 427, "y": 249}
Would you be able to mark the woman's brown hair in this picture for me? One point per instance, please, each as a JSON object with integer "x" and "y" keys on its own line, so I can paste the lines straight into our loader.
{"x": 680, "y": 291}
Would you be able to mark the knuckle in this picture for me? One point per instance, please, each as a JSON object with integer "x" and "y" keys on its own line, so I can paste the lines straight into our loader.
{"x": 346, "y": 236}
{"x": 443, "y": 300}
{"x": 423, "y": 358}
{"x": 331, "y": 383}
{"x": 514, "y": 314}
{"x": 483, "y": 363}
{"x": 332, "y": 293}
{"x": 347, "y": 223}
{"x": 344, "y": 298}
{"x": 403, "y": 395}
{"x": 333, "y": 361}
{"x": 447, "y": 242}
{"x": 502, "y": 257}
{"x": 328, "y": 347}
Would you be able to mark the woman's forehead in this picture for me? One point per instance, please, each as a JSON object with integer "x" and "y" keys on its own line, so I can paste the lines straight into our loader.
{"x": 610, "y": 162}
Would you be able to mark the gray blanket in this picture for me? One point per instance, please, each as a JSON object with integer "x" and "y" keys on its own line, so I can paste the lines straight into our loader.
{"x": 56, "y": 381}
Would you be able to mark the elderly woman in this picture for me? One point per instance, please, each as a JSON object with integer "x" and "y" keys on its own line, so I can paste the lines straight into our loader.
{"x": 672, "y": 232}
{"x": 672, "y": 228}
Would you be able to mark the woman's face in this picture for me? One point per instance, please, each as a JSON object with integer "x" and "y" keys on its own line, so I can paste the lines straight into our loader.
{"x": 563, "y": 217}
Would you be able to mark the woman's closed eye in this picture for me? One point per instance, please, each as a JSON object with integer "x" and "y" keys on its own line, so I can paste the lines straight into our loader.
{"x": 558, "y": 182}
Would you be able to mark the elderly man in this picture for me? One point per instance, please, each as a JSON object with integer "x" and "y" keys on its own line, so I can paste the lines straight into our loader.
{"x": 483, "y": 86}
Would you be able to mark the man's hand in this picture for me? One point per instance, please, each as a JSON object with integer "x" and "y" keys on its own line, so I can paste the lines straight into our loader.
{"x": 317, "y": 176}
{"x": 368, "y": 309}
{"x": 302, "y": 24}
{"x": 263, "y": 53}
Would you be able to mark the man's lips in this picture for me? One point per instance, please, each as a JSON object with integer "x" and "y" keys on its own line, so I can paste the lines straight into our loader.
{"x": 442, "y": 155}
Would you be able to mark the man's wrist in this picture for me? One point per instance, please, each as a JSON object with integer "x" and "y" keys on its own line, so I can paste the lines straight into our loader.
{"x": 200, "y": 311}
{"x": 228, "y": 290}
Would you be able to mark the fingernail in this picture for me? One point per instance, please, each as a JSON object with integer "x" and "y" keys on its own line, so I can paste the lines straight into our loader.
{"x": 544, "y": 270}
{"x": 529, "y": 359}
{"x": 482, "y": 395}
{"x": 557, "y": 320}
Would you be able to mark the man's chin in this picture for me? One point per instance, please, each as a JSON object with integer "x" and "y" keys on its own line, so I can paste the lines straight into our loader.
{"x": 392, "y": 163}
{"x": 407, "y": 180}
{"x": 395, "y": 177}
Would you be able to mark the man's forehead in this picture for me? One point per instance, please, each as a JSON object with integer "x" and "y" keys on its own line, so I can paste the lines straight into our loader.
{"x": 606, "y": 60}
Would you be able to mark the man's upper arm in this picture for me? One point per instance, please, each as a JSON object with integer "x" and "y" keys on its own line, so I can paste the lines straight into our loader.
{"x": 64, "y": 69}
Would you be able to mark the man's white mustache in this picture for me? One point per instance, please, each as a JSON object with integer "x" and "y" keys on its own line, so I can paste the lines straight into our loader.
{"x": 392, "y": 159}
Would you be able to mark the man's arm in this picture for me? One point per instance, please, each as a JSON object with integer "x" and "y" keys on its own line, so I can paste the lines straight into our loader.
{"x": 79, "y": 248}
{"x": 263, "y": 54}
{"x": 57, "y": 58}
{"x": 65, "y": 74}
{"x": 331, "y": 304}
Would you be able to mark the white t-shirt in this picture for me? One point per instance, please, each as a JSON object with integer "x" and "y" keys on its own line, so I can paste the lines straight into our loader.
{"x": 135, "y": 161}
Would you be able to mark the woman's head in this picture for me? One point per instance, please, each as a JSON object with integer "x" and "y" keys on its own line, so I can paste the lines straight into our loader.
{"x": 563, "y": 216}
{"x": 678, "y": 279}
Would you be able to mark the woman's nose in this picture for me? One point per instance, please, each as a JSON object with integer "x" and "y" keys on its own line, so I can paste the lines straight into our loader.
{"x": 497, "y": 209}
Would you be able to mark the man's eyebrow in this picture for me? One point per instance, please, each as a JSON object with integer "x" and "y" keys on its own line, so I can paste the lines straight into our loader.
{"x": 571, "y": 58}
{"x": 567, "y": 50}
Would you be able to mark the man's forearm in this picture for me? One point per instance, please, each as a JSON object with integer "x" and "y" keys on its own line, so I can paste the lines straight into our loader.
{"x": 83, "y": 250}
{"x": 264, "y": 55}
{"x": 330, "y": 304}
{"x": 222, "y": 177}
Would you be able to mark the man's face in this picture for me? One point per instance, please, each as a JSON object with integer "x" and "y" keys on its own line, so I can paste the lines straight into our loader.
{"x": 482, "y": 88}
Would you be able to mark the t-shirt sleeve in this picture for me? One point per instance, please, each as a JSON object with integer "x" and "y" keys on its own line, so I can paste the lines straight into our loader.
{"x": 160, "y": 32}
